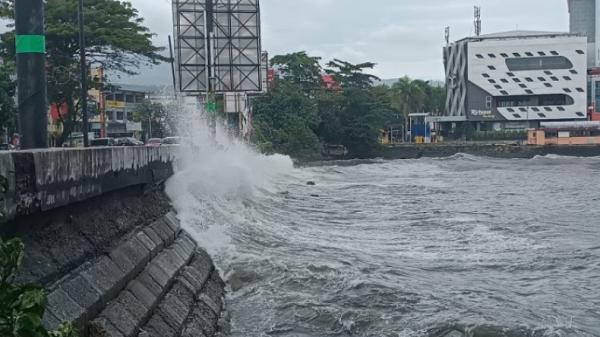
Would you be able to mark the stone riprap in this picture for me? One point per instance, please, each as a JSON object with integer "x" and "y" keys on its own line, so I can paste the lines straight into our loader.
{"x": 156, "y": 282}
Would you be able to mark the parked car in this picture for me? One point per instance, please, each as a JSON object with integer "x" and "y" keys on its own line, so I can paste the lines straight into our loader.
{"x": 153, "y": 142}
{"x": 171, "y": 141}
{"x": 128, "y": 141}
{"x": 102, "y": 142}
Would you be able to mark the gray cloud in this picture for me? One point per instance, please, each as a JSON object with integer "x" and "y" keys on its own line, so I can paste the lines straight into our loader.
{"x": 404, "y": 37}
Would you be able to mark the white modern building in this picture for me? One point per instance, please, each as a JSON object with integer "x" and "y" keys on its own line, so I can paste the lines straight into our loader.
{"x": 516, "y": 79}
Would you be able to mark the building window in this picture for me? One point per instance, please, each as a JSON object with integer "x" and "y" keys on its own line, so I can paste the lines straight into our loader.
{"x": 541, "y": 79}
{"x": 479, "y": 56}
{"x": 560, "y": 108}
{"x": 485, "y": 75}
{"x": 129, "y": 99}
{"x": 567, "y": 78}
{"x": 529, "y": 91}
{"x": 523, "y": 85}
{"x": 542, "y": 115}
{"x": 541, "y": 53}
{"x": 516, "y": 80}
{"x": 580, "y": 114}
{"x": 573, "y": 71}
{"x": 497, "y": 86}
{"x": 547, "y": 108}
{"x": 488, "y": 102}
{"x": 516, "y": 55}
{"x": 535, "y": 109}
{"x": 492, "y": 67}
{"x": 130, "y": 116}
{"x": 119, "y": 98}
{"x": 580, "y": 90}
{"x": 492, "y": 56}
{"x": 111, "y": 115}
{"x": 504, "y": 92}
{"x": 548, "y": 85}
{"x": 503, "y": 80}
{"x": 120, "y": 115}
{"x": 567, "y": 90}
{"x": 529, "y": 53}
{"x": 538, "y": 63}
{"x": 510, "y": 110}
{"x": 580, "y": 52}
{"x": 554, "y": 52}
{"x": 492, "y": 81}
{"x": 548, "y": 72}
{"x": 528, "y": 79}
{"x": 554, "y": 78}
{"x": 504, "y": 55}
{"x": 523, "y": 109}
{"x": 516, "y": 116}
{"x": 510, "y": 74}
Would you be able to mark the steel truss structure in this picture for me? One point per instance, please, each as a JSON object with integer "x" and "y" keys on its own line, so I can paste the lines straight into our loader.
{"x": 217, "y": 45}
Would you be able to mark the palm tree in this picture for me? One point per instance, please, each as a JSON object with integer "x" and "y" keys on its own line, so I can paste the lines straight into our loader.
{"x": 408, "y": 96}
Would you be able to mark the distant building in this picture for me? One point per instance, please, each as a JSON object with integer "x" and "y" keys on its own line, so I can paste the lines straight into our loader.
{"x": 120, "y": 104}
{"x": 585, "y": 20}
{"x": 516, "y": 79}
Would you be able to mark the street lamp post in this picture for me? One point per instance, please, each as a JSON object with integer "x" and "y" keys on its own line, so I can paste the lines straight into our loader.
{"x": 83, "y": 66}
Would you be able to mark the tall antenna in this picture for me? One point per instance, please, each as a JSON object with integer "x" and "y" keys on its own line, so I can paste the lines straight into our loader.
{"x": 477, "y": 21}
{"x": 447, "y": 35}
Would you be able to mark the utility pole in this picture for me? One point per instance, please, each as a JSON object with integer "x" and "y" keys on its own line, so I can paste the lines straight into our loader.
{"x": 31, "y": 73}
{"x": 83, "y": 66}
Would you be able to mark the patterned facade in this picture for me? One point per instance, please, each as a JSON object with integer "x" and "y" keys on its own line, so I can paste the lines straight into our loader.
{"x": 518, "y": 76}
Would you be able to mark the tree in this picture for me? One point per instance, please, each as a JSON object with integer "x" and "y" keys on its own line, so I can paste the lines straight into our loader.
{"x": 301, "y": 69}
{"x": 284, "y": 122}
{"x": 350, "y": 75}
{"x": 153, "y": 117}
{"x": 408, "y": 97}
{"x": 22, "y": 306}
{"x": 7, "y": 93}
{"x": 115, "y": 36}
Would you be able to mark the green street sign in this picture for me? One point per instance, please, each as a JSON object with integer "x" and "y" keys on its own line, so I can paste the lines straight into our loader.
{"x": 30, "y": 44}
{"x": 211, "y": 106}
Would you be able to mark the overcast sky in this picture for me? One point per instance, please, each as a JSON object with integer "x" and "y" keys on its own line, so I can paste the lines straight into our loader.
{"x": 404, "y": 37}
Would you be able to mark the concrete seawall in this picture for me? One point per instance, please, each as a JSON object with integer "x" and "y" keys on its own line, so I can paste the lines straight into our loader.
{"x": 101, "y": 237}
{"x": 485, "y": 150}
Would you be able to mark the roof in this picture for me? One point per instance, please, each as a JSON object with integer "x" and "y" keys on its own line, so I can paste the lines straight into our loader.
{"x": 518, "y": 34}
{"x": 521, "y": 33}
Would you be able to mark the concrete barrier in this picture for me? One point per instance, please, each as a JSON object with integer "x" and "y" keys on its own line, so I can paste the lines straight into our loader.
{"x": 41, "y": 180}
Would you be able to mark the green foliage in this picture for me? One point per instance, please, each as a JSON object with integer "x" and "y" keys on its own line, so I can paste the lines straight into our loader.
{"x": 154, "y": 119}
{"x": 7, "y": 92}
{"x": 300, "y": 114}
{"x": 301, "y": 69}
{"x": 350, "y": 75}
{"x": 284, "y": 122}
{"x": 498, "y": 135}
{"x": 115, "y": 36}
{"x": 22, "y": 306}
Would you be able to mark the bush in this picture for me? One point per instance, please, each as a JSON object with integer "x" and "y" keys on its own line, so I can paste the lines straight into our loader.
{"x": 499, "y": 135}
{"x": 22, "y": 306}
